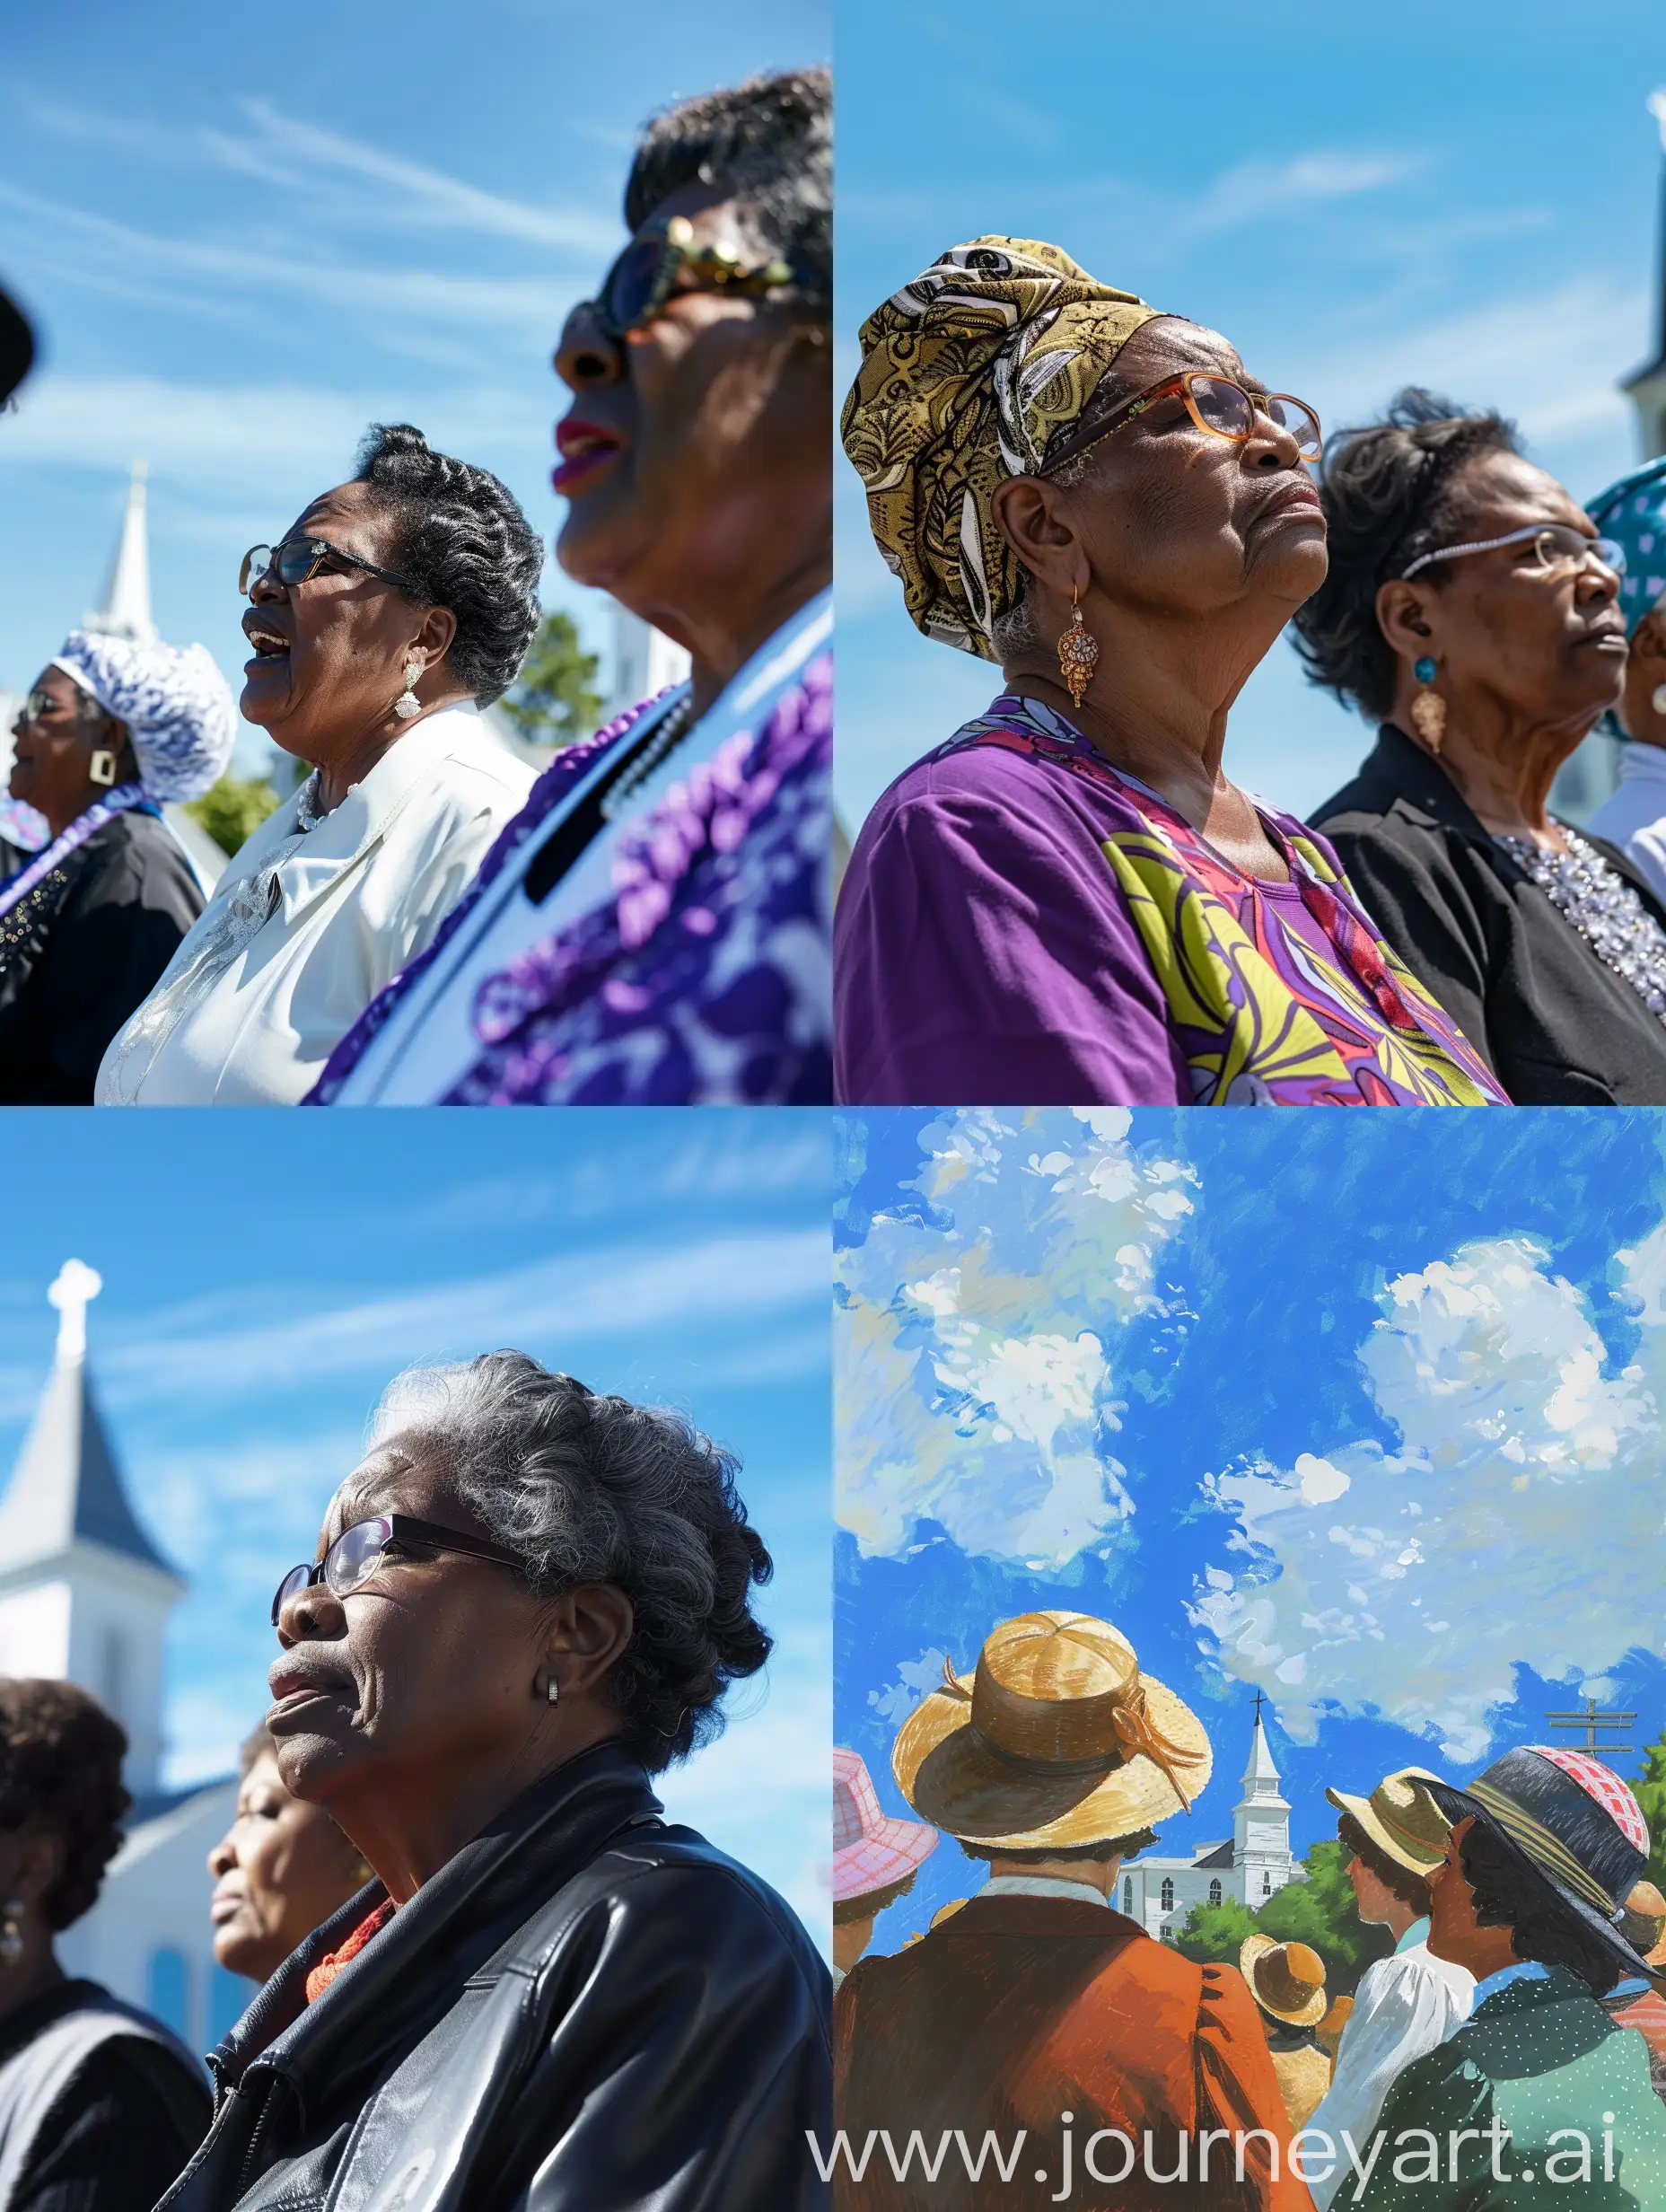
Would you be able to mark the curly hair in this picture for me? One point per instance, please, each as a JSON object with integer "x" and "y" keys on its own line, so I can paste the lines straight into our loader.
{"x": 1390, "y": 493}
{"x": 768, "y": 143}
{"x": 588, "y": 1489}
{"x": 462, "y": 538}
{"x": 60, "y": 1765}
{"x": 1400, "y": 1880}
{"x": 1509, "y": 1894}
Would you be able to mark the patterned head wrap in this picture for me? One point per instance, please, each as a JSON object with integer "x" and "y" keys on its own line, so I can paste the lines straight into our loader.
{"x": 175, "y": 702}
{"x": 965, "y": 374}
{"x": 1633, "y": 512}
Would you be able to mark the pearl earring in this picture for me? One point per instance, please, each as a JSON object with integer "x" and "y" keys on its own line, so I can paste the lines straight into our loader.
{"x": 407, "y": 703}
{"x": 1657, "y": 699}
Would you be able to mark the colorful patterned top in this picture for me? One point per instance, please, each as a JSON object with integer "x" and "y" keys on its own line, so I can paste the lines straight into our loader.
{"x": 1024, "y": 923}
{"x": 682, "y": 959}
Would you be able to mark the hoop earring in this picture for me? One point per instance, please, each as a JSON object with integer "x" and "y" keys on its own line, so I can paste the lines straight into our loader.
{"x": 11, "y": 1935}
{"x": 101, "y": 767}
{"x": 1428, "y": 709}
{"x": 407, "y": 703}
{"x": 1078, "y": 653}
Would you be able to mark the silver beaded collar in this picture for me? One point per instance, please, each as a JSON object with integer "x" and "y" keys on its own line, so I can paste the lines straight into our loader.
{"x": 1604, "y": 909}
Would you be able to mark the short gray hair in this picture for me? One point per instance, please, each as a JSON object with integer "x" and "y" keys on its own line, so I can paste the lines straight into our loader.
{"x": 588, "y": 1489}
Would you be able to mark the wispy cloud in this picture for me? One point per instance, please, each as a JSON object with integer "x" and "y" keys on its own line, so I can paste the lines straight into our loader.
{"x": 1257, "y": 189}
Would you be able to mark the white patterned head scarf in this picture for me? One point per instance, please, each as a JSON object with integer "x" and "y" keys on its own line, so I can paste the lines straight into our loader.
{"x": 175, "y": 702}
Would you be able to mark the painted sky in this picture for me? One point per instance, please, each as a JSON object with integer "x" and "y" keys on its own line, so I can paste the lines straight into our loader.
{"x": 265, "y": 1275}
{"x": 1374, "y": 1426}
{"x": 1460, "y": 196}
{"x": 245, "y": 237}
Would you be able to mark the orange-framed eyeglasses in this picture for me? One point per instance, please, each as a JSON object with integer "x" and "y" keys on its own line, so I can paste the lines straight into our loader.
{"x": 1220, "y": 407}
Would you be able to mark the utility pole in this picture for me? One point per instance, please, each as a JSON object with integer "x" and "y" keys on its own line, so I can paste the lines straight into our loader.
{"x": 1591, "y": 1720}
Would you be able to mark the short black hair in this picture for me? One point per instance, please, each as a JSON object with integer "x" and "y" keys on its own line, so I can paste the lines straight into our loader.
{"x": 1086, "y": 1854}
{"x": 1388, "y": 492}
{"x": 1509, "y": 1894}
{"x": 60, "y": 1765}
{"x": 1399, "y": 1881}
{"x": 769, "y": 143}
{"x": 460, "y": 536}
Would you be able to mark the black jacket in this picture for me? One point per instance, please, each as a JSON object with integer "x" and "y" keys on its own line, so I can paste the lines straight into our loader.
{"x": 82, "y": 951}
{"x": 584, "y": 2011}
{"x": 1555, "y": 1026}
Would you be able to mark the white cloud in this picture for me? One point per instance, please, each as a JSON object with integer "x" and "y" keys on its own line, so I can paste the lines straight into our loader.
{"x": 1511, "y": 1512}
{"x": 1257, "y": 189}
{"x": 977, "y": 1336}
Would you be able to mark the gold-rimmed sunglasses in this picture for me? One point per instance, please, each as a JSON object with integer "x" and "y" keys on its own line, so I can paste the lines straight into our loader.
{"x": 1219, "y": 407}
{"x": 658, "y": 264}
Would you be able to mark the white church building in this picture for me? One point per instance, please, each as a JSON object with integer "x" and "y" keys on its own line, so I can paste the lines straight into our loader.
{"x": 1246, "y": 1868}
{"x": 85, "y": 1597}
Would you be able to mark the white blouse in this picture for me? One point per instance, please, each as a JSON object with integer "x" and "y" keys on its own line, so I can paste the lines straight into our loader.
{"x": 311, "y": 918}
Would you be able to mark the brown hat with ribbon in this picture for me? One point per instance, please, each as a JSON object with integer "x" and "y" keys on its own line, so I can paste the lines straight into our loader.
{"x": 1286, "y": 1979}
{"x": 1056, "y": 1740}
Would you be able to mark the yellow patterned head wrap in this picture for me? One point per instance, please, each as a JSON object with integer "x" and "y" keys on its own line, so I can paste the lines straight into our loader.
{"x": 965, "y": 374}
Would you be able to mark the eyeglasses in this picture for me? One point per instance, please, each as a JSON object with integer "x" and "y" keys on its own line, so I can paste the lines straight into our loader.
{"x": 1218, "y": 407}
{"x": 358, "y": 1552}
{"x": 1558, "y": 549}
{"x": 659, "y": 263}
{"x": 297, "y": 560}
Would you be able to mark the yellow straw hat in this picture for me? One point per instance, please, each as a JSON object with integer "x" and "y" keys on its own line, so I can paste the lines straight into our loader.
{"x": 1286, "y": 1979}
{"x": 1401, "y": 1819}
{"x": 1056, "y": 1740}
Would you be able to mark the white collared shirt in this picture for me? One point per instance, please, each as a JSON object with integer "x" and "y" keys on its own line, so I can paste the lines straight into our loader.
{"x": 1634, "y": 816}
{"x": 306, "y": 926}
{"x": 1044, "y": 1886}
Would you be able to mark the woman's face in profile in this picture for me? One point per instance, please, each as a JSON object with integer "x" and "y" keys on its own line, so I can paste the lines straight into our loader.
{"x": 1182, "y": 520}
{"x": 701, "y": 412}
{"x": 281, "y": 1870}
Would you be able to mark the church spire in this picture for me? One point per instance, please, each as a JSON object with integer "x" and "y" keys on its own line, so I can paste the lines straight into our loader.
{"x": 127, "y": 609}
{"x": 1261, "y": 1776}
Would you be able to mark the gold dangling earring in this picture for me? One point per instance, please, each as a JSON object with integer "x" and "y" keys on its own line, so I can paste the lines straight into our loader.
{"x": 1078, "y": 653}
{"x": 11, "y": 1935}
{"x": 1428, "y": 709}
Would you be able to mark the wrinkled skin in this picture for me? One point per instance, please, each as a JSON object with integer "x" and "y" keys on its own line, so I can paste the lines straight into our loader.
{"x": 280, "y": 1871}
{"x": 1188, "y": 555}
{"x": 697, "y": 457}
{"x": 417, "y": 1708}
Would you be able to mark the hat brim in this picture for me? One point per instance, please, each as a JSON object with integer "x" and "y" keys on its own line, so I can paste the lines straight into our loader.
{"x": 1360, "y": 1809}
{"x": 891, "y": 1853}
{"x": 954, "y": 1780}
{"x": 1308, "y": 2015}
{"x": 1457, "y": 1804}
{"x": 17, "y": 347}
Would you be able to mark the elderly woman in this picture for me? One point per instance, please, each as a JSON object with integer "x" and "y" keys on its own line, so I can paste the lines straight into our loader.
{"x": 526, "y": 1600}
{"x": 653, "y": 929}
{"x": 395, "y": 608}
{"x": 1631, "y": 514}
{"x": 1472, "y": 611}
{"x": 110, "y": 728}
{"x": 281, "y": 1869}
{"x": 100, "y": 2107}
{"x": 1069, "y": 902}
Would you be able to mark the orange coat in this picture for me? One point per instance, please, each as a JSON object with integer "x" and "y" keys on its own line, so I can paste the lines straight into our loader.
{"x": 1020, "y": 2009}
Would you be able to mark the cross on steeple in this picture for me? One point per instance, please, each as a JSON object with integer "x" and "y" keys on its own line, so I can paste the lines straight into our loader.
{"x": 76, "y": 1286}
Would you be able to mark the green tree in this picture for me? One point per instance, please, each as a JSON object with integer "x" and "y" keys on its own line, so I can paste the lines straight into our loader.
{"x": 233, "y": 809}
{"x": 1215, "y": 1932}
{"x": 553, "y": 702}
{"x": 1649, "y": 1789}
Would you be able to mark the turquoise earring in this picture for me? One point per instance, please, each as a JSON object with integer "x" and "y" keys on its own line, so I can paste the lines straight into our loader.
{"x": 1428, "y": 709}
{"x": 1424, "y": 669}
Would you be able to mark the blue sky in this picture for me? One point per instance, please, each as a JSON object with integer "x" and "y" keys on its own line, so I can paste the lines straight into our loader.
{"x": 265, "y": 1275}
{"x": 246, "y": 236}
{"x": 1366, "y": 1418}
{"x": 1464, "y": 197}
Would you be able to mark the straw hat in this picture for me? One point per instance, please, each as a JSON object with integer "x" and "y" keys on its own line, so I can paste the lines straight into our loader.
{"x": 1644, "y": 1924}
{"x": 1286, "y": 1979}
{"x": 1056, "y": 1740}
{"x": 1401, "y": 1819}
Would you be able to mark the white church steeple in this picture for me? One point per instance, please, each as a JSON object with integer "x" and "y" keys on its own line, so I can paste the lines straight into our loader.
{"x": 127, "y": 609}
{"x": 84, "y": 1595}
{"x": 1261, "y": 1822}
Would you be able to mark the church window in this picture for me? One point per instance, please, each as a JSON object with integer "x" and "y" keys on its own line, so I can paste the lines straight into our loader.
{"x": 1128, "y": 1893}
{"x": 1266, "y": 1882}
{"x": 1167, "y": 1894}
{"x": 1214, "y": 1892}
{"x": 168, "y": 1989}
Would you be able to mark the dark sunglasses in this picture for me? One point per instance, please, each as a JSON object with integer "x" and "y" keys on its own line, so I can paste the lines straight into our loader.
{"x": 297, "y": 560}
{"x": 42, "y": 707}
{"x": 357, "y": 1552}
{"x": 659, "y": 263}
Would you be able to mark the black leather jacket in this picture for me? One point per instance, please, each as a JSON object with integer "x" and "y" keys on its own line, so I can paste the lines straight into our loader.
{"x": 584, "y": 2011}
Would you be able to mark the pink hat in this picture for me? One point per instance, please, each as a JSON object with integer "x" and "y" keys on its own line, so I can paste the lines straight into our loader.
{"x": 870, "y": 1849}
